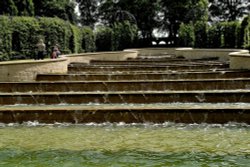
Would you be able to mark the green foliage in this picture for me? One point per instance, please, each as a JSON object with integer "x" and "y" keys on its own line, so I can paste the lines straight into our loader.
{"x": 244, "y": 24}
{"x": 182, "y": 11}
{"x": 24, "y": 34}
{"x": 88, "y": 39}
{"x": 200, "y": 32}
{"x": 247, "y": 35}
{"x": 63, "y": 9}
{"x": 8, "y": 7}
{"x": 214, "y": 36}
{"x": 5, "y": 35}
{"x": 229, "y": 34}
{"x": 186, "y": 35}
{"x": 55, "y": 31}
{"x": 19, "y": 36}
{"x": 24, "y": 7}
{"x": 124, "y": 35}
{"x": 75, "y": 43}
{"x": 89, "y": 12}
{"x": 104, "y": 38}
{"x": 225, "y": 10}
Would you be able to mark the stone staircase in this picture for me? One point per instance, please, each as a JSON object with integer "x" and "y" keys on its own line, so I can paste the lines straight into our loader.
{"x": 147, "y": 89}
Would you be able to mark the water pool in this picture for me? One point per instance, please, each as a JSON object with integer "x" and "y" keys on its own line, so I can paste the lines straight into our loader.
{"x": 110, "y": 144}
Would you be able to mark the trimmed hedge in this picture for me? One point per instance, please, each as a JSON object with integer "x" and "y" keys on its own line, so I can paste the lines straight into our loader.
{"x": 186, "y": 35}
{"x": 200, "y": 33}
{"x": 104, "y": 38}
{"x": 214, "y": 36}
{"x": 19, "y": 35}
{"x": 247, "y": 35}
{"x": 220, "y": 35}
{"x": 229, "y": 34}
{"x": 124, "y": 35}
{"x": 5, "y": 38}
{"x": 88, "y": 39}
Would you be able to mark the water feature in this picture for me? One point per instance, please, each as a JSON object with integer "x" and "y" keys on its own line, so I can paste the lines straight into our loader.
{"x": 143, "y": 102}
{"x": 118, "y": 144}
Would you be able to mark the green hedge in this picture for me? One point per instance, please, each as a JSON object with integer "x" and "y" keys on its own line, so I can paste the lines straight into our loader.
{"x": 88, "y": 40}
{"x": 75, "y": 44}
{"x": 5, "y": 38}
{"x": 19, "y": 35}
{"x": 186, "y": 35}
{"x": 214, "y": 36}
{"x": 229, "y": 34}
{"x": 25, "y": 31}
{"x": 247, "y": 35}
{"x": 124, "y": 35}
{"x": 200, "y": 33}
{"x": 104, "y": 38}
{"x": 220, "y": 35}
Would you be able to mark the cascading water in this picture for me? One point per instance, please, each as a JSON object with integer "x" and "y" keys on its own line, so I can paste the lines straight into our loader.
{"x": 163, "y": 121}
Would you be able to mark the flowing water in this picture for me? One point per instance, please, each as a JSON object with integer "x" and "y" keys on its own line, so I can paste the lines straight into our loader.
{"x": 118, "y": 144}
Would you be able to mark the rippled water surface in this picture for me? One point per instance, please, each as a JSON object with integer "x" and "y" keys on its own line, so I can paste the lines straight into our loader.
{"x": 101, "y": 145}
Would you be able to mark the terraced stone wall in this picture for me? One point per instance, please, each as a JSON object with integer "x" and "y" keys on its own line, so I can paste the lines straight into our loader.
{"x": 26, "y": 70}
{"x": 221, "y": 54}
{"x": 240, "y": 60}
{"x": 87, "y": 57}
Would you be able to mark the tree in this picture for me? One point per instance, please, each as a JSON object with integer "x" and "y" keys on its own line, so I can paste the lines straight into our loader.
{"x": 64, "y": 9}
{"x": 89, "y": 12}
{"x": 8, "y": 7}
{"x": 24, "y": 7}
{"x": 228, "y": 10}
{"x": 182, "y": 11}
{"x": 143, "y": 13}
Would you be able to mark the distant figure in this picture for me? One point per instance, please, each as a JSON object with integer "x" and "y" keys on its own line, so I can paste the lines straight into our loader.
{"x": 55, "y": 52}
{"x": 41, "y": 48}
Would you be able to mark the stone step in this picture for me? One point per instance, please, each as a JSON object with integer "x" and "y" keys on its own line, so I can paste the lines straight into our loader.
{"x": 143, "y": 76}
{"x": 156, "y": 113}
{"x": 224, "y": 96}
{"x": 90, "y": 68}
{"x": 153, "y": 62}
{"x": 132, "y": 85}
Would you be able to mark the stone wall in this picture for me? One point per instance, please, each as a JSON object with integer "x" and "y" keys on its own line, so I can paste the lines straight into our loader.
{"x": 87, "y": 57}
{"x": 240, "y": 60}
{"x": 154, "y": 51}
{"x": 189, "y": 53}
{"x": 26, "y": 70}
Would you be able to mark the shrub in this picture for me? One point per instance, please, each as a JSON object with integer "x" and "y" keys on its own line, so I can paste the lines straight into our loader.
{"x": 240, "y": 33}
{"x": 124, "y": 35}
{"x": 229, "y": 34}
{"x": 25, "y": 32}
{"x": 55, "y": 31}
{"x": 200, "y": 32}
{"x": 214, "y": 36}
{"x": 186, "y": 35}
{"x": 104, "y": 38}
{"x": 5, "y": 35}
{"x": 75, "y": 43}
{"x": 247, "y": 35}
{"x": 88, "y": 39}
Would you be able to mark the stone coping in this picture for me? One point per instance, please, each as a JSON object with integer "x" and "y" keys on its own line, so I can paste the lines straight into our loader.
{"x": 99, "y": 53}
{"x": 240, "y": 60}
{"x": 197, "y": 53}
{"x": 209, "y": 49}
{"x": 243, "y": 53}
{"x": 31, "y": 61}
